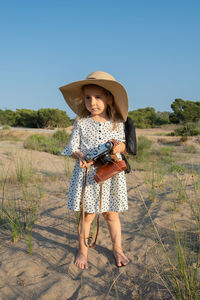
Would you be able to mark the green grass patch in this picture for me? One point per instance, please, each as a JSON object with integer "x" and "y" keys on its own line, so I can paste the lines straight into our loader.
{"x": 53, "y": 145}
{"x": 177, "y": 168}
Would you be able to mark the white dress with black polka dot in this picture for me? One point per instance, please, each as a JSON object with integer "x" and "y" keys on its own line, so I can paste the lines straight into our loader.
{"x": 86, "y": 135}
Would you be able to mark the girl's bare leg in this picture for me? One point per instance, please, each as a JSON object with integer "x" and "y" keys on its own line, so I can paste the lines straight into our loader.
{"x": 81, "y": 260}
{"x": 114, "y": 226}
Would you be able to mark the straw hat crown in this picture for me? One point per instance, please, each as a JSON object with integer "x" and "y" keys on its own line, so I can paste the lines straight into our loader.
{"x": 100, "y": 75}
{"x": 72, "y": 92}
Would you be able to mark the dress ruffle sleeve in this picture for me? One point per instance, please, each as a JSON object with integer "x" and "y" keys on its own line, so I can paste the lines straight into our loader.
{"x": 74, "y": 141}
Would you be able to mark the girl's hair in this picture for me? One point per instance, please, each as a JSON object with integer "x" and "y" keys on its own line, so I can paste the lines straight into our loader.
{"x": 111, "y": 109}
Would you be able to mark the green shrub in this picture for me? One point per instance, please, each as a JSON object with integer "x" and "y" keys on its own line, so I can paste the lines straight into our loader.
{"x": 7, "y": 117}
{"x": 177, "y": 169}
{"x": 6, "y": 127}
{"x": 53, "y": 145}
{"x": 189, "y": 129}
{"x": 143, "y": 117}
{"x": 52, "y": 118}
{"x": 35, "y": 142}
{"x": 26, "y": 118}
{"x": 61, "y": 137}
{"x": 46, "y": 117}
{"x": 185, "y": 111}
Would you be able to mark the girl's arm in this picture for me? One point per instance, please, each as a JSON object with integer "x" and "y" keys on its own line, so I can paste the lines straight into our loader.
{"x": 78, "y": 155}
{"x": 81, "y": 157}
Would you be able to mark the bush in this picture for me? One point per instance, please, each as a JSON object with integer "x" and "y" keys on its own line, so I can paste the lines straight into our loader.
{"x": 35, "y": 142}
{"x": 7, "y": 117}
{"x": 52, "y": 118}
{"x": 188, "y": 129}
{"x": 6, "y": 127}
{"x": 49, "y": 118}
{"x": 185, "y": 111}
{"x": 61, "y": 137}
{"x": 53, "y": 145}
{"x": 26, "y": 118}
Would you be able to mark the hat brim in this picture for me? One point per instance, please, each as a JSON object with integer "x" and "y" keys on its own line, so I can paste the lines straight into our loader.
{"x": 72, "y": 94}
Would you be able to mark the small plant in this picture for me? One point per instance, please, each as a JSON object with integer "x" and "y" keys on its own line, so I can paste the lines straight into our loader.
{"x": 177, "y": 168}
{"x": 24, "y": 170}
{"x": 12, "y": 219}
{"x": 20, "y": 212}
{"x": 6, "y": 127}
{"x": 20, "y": 201}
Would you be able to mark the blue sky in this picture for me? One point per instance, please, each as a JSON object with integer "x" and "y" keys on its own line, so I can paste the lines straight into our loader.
{"x": 151, "y": 47}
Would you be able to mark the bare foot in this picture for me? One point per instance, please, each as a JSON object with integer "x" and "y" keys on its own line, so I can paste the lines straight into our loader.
{"x": 81, "y": 261}
{"x": 120, "y": 258}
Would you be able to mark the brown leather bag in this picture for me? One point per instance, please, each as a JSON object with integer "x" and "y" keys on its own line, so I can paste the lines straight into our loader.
{"x": 109, "y": 170}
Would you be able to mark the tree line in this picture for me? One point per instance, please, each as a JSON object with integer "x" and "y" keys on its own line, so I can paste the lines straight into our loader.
{"x": 184, "y": 111}
{"x": 42, "y": 118}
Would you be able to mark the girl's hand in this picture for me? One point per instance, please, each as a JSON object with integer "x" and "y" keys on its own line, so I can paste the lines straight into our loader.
{"x": 80, "y": 156}
{"x": 85, "y": 164}
{"x": 119, "y": 148}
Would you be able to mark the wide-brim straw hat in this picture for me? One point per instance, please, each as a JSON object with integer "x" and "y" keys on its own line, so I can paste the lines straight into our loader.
{"x": 73, "y": 93}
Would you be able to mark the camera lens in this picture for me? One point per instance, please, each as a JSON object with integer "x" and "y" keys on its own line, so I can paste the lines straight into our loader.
{"x": 108, "y": 145}
{"x": 88, "y": 157}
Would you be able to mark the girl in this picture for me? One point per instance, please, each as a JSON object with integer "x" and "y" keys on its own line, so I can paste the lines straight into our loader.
{"x": 102, "y": 105}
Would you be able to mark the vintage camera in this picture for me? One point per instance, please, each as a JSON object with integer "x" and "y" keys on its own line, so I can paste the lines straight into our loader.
{"x": 102, "y": 153}
{"x": 110, "y": 165}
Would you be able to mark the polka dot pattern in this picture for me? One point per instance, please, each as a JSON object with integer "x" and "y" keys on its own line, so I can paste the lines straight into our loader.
{"x": 86, "y": 135}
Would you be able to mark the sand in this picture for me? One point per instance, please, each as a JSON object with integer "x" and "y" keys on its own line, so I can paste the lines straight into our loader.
{"x": 50, "y": 273}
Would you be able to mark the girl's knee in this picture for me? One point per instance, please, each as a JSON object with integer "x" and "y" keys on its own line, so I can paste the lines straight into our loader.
{"x": 89, "y": 217}
{"x": 110, "y": 216}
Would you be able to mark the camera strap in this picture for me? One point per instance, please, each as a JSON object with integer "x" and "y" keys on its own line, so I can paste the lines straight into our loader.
{"x": 81, "y": 224}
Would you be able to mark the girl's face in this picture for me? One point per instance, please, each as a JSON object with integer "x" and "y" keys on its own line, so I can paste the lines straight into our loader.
{"x": 96, "y": 101}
